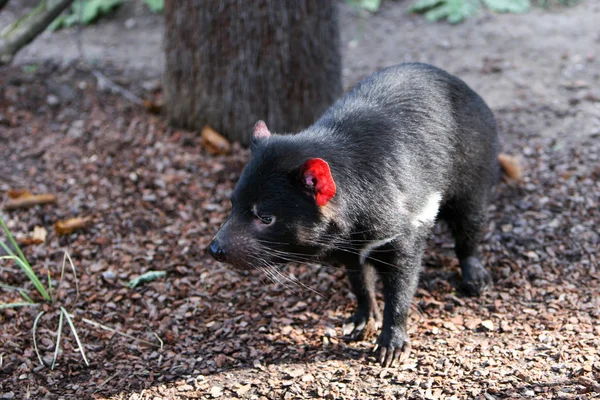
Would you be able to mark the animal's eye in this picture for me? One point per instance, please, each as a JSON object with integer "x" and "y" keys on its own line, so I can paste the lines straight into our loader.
{"x": 266, "y": 219}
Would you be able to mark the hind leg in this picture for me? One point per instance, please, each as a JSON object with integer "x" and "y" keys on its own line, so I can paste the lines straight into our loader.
{"x": 367, "y": 317}
{"x": 467, "y": 221}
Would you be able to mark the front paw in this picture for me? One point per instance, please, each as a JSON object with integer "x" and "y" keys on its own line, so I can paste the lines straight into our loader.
{"x": 363, "y": 325}
{"x": 475, "y": 277}
{"x": 394, "y": 347}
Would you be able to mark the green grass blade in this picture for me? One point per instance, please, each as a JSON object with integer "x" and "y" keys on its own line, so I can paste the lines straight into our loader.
{"x": 35, "y": 323}
{"x": 15, "y": 305}
{"x": 108, "y": 328}
{"x": 58, "y": 333}
{"x": 33, "y": 278}
{"x": 26, "y": 268}
{"x": 9, "y": 287}
{"x": 50, "y": 287}
{"x": 26, "y": 297}
{"x": 70, "y": 322}
{"x": 12, "y": 241}
{"x": 7, "y": 249}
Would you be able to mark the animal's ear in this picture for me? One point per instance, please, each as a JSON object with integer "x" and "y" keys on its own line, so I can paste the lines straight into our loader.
{"x": 316, "y": 176}
{"x": 260, "y": 132}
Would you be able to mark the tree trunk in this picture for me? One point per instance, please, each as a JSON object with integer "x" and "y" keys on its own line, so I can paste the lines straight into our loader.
{"x": 230, "y": 63}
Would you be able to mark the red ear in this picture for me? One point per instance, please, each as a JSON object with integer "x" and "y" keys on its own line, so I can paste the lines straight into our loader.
{"x": 316, "y": 175}
{"x": 261, "y": 131}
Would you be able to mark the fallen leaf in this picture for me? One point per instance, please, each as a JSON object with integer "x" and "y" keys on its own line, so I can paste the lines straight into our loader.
{"x": 70, "y": 225}
{"x": 213, "y": 142}
{"x": 38, "y": 235}
{"x": 147, "y": 277}
{"x": 16, "y": 193}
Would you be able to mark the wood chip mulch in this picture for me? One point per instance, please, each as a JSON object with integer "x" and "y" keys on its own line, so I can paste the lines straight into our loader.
{"x": 154, "y": 197}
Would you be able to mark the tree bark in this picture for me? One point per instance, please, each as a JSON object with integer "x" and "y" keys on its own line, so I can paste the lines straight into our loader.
{"x": 230, "y": 63}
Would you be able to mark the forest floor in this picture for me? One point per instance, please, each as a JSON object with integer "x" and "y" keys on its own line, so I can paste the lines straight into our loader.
{"x": 155, "y": 198}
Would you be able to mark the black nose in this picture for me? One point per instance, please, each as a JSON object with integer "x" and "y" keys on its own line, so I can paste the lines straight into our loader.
{"x": 215, "y": 250}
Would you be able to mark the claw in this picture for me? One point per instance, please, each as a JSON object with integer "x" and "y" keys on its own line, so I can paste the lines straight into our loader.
{"x": 363, "y": 330}
{"x": 476, "y": 279}
{"x": 348, "y": 328}
{"x": 392, "y": 356}
{"x": 382, "y": 356}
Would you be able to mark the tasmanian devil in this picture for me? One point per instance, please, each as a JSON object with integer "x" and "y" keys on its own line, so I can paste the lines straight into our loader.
{"x": 363, "y": 186}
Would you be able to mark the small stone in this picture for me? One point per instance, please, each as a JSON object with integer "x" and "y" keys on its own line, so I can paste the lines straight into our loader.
{"x": 149, "y": 198}
{"x": 151, "y": 85}
{"x": 295, "y": 373}
{"x": 9, "y": 395}
{"x": 330, "y": 332}
{"x": 488, "y": 325}
{"x": 76, "y": 129}
{"x": 52, "y": 100}
{"x": 109, "y": 275}
{"x": 242, "y": 390}
{"x": 185, "y": 388}
{"x": 216, "y": 391}
{"x": 130, "y": 23}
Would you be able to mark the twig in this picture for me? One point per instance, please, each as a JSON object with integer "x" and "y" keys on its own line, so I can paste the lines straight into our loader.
{"x": 113, "y": 376}
{"x": 29, "y": 201}
{"x": 107, "y": 328}
{"x": 103, "y": 80}
{"x": 15, "y": 39}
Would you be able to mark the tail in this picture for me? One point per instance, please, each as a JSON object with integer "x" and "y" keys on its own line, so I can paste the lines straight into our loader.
{"x": 511, "y": 168}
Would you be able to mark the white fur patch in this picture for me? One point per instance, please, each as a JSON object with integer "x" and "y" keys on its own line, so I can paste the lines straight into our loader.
{"x": 429, "y": 211}
{"x": 369, "y": 247}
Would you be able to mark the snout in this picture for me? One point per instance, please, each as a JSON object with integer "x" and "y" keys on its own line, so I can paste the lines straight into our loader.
{"x": 216, "y": 251}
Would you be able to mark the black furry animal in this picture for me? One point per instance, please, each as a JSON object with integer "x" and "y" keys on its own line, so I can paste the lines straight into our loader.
{"x": 363, "y": 186}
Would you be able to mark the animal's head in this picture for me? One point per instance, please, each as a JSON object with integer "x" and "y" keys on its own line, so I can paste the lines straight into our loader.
{"x": 280, "y": 205}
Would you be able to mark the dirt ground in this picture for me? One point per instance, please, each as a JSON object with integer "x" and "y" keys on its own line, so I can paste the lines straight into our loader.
{"x": 156, "y": 197}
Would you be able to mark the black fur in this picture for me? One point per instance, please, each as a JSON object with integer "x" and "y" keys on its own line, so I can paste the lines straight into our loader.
{"x": 397, "y": 139}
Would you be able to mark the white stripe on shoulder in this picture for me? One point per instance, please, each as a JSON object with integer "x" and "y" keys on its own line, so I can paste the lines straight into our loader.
{"x": 369, "y": 247}
{"x": 429, "y": 212}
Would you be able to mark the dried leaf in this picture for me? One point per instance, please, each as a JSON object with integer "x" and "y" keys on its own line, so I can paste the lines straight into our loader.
{"x": 38, "y": 235}
{"x": 70, "y": 225}
{"x": 215, "y": 143}
{"x": 16, "y": 193}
